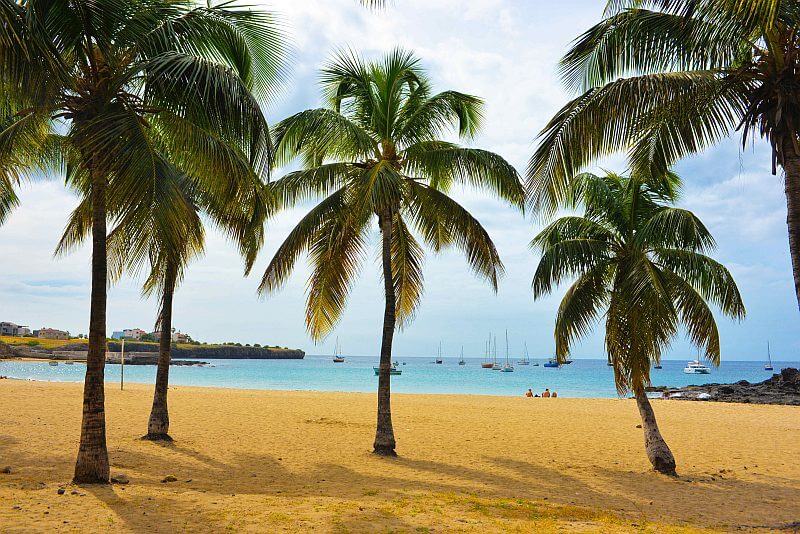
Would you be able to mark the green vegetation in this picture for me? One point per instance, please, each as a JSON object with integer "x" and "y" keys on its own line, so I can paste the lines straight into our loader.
{"x": 641, "y": 265}
{"x": 121, "y": 94}
{"x": 661, "y": 80}
{"x": 375, "y": 155}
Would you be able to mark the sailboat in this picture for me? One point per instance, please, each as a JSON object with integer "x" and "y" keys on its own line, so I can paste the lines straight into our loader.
{"x": 525, "y": 360}
{"x": 507, "y": 368}
{"x": 768, "y": 365}
{"x": 337, "y": 353}
{"x": 495, "y": 366}
{"x": 461, "y": 361}
{"x": 439, "y": 357}
{"x": 486, "y": 363}
{"x": 552, "y": 362}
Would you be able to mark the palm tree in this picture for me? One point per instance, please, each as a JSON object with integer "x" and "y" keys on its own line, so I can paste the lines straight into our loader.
{"x": 118, "y": 83}
{"x": 666, "y": 78}
{"x": 641, "y": 264}
{"x": 375, "y": 151}
{"x": 162, "y": 230}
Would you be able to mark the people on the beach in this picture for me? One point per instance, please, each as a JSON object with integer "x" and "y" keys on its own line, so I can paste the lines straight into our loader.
{"x": 529, "y": 393}
{"x": 546, "y": 393}
{"x": 554, "y": 395}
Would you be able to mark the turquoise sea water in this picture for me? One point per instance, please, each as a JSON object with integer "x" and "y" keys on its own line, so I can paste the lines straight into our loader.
{"x": 582, "y": 378}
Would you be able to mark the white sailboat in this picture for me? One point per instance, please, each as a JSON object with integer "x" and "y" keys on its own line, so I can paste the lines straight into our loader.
{"x": 495, "y": 366}
{"x": 525, "y": 360}
{"x": 696, "y": 367}
{"x": 768, "y": 365}
{"x": 439, "y": 357}
{"x": 507, "y": 368}
{"x": 337, "y": 353}
{"x": 462, "y": 361}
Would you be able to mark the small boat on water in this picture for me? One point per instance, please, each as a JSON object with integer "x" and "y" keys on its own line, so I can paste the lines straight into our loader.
{"x": 507, "y": 368}
{"x": 768, "y": 365}
{"x": 487, "y": 360}
{"x": 552, "y": 363}
{"x": 657, "y": 366}
{"x": 337, "y": 353}
{"x": 69, "y": 363}
{"x": 439, "y": 356}
{"x": 525, "y": 360}
{"x": 696, "y": 367}
{"x": 393, "y": 370}
{"x": 462, "y": 361}
{"x": 495, "y": 366}
{"x": 52, "y": 364}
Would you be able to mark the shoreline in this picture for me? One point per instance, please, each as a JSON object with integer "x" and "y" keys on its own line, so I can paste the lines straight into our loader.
{"x": 297, "y": 460}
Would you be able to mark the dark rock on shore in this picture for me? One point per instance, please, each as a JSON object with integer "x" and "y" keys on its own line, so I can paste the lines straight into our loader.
{"x": 6, "y": 351}
{"x": 781, "y": 388}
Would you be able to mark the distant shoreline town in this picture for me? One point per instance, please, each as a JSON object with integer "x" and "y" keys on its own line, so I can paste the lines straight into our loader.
{"x": 140, "y": 347}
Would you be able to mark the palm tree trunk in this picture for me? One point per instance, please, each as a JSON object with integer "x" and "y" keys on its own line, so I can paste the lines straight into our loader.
{"x": 158, "y": 425}
{"x": 384, "y": 435}
{"x": 92, "y": 463}
{"x": 791, "y": 168}
{"x": 657, "y": 450}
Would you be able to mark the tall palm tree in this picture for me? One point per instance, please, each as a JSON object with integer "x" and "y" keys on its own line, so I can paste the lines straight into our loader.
{"x": 118, "y": 83}
{"x": 162, "y": 230}
{"x": 641, "y": 264}
{"x": 375, "y": 152}
{"x": 666, "y": 78}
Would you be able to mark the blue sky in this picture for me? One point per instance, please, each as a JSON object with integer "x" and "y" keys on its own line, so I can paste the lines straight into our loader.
{"x": 504, "y": 51}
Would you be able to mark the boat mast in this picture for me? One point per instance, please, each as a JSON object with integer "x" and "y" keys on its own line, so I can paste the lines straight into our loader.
{"x": 506, "y": 347}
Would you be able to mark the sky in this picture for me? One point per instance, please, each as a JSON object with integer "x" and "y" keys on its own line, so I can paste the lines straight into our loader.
{"x": 504, "y": 51}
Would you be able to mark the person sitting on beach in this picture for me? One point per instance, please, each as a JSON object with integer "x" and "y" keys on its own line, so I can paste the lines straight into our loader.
{"x": 554, "y": 395}
{"x": 546, "y": 393}
{"x": 529, "y": 393}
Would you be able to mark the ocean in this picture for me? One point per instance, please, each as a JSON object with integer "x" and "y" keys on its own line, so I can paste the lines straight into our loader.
{"x": 582, "y": 378}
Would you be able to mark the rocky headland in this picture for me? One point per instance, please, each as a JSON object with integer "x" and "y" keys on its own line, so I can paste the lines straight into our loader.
{"x": 781, "y": 388}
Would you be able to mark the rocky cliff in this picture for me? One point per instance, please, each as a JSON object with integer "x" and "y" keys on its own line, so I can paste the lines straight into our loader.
{"x": 781, "y": 388}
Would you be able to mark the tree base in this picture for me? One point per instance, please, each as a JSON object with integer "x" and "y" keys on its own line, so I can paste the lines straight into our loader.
{"x": 158, "y": 437}
{"x": 89, "y": 480}
{"x": 665, "y": 469}
{"x": 384, "y": 451}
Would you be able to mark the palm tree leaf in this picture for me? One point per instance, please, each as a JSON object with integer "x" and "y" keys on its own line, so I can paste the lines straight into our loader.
{"x": 321, "y": 133}
{"x": 446, "y": 163}
{"x": 657, "y": 117}
{"x": 407, "y": 278}
{"x": 442, "y": 222}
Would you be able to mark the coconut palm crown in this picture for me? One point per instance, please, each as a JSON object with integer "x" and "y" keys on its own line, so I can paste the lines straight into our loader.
{"x": 642, "y": 265}
{"x": 661, "y": 79}
{"x": 105, "y": 90}
{"x": 375, "y": 153}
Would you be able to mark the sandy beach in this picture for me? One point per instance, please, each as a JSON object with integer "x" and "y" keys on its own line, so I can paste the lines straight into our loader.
{"x": 257, "y": 461}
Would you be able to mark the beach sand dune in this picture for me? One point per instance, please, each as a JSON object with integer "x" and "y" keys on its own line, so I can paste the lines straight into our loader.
{"x": 267, "y": 461}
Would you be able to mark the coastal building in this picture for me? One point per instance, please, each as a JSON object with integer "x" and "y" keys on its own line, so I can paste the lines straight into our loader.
{"x": 12, "y": 329}
{"x": 176, "y": 337}
{"x": 51, "y": 333}
{"x": 117, "y": 334}
{"x": 132, "y": 333}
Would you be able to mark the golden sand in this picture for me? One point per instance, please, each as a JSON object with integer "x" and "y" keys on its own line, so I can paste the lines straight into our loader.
{"x": 266, "y": 461}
